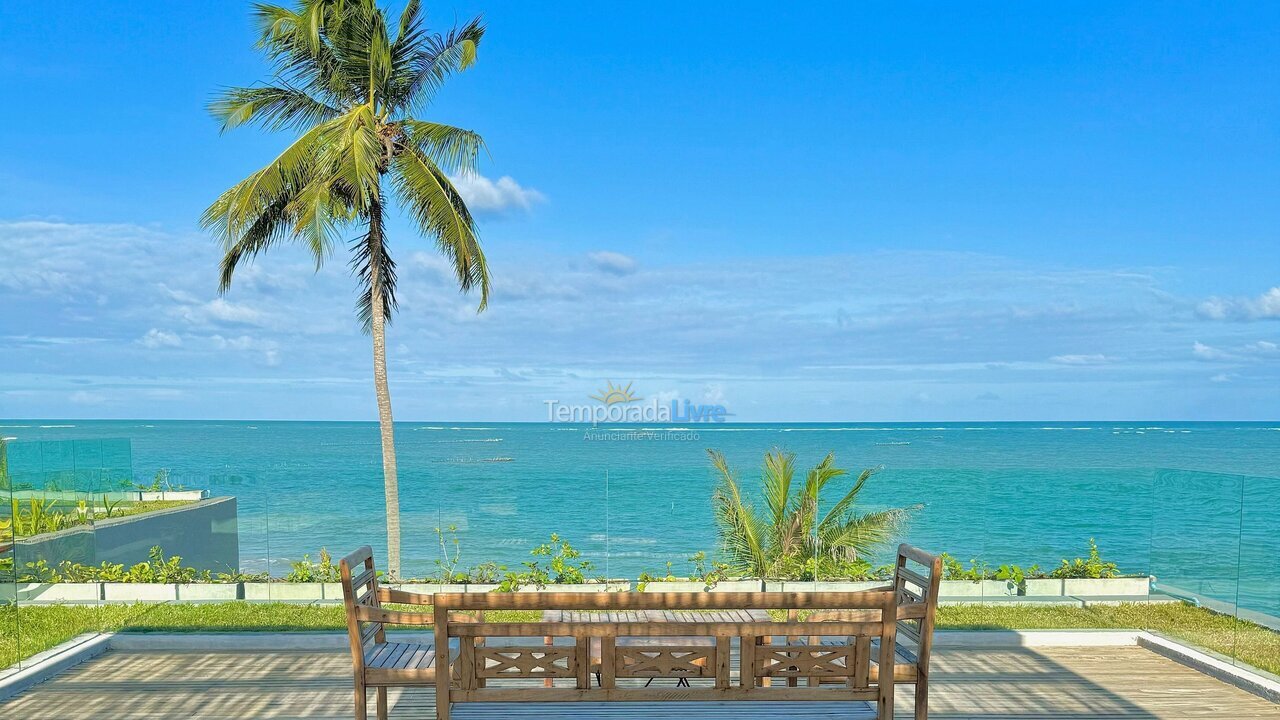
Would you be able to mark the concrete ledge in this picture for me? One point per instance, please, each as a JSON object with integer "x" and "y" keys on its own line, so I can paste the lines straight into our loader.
{"x": 247, "y": 641}
{"x": 43, "y": 666}
{"x": 1034, "y": 638}
{"x": 1242, "y": 677}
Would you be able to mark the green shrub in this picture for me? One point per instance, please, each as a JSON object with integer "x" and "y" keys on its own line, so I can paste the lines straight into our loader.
{"x": 1094, "y": 567}
{"x": 563, "y": 567}
{"x": 698, "y": 571}
{"x": 305, "y": 571}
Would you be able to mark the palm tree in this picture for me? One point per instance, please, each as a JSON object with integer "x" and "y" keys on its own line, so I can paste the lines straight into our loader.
{"x": 792, "y": 537}
{"x": 351, "y": 87}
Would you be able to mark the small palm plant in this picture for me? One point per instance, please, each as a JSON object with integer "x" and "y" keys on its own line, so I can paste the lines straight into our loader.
{"x": 793, "y": 536}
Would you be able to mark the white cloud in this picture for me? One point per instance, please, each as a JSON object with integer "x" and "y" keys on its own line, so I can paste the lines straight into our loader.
{"x": 1222, "y": 378}
{"x": 484, "y": 195}
{"x": 862, "y": 336}
{"x": 269, "y": 349}
{"x": 84, "y": 397}
{"x": 219, "y": 310}
{"x": 1094, "y": 359}
{"x": 1262, "y": 307}
{"x": 156, "y": 338}
{"x": 1207, "y": 352}
{"x": 713, "y": 393}
{"x": 612, "y": 262}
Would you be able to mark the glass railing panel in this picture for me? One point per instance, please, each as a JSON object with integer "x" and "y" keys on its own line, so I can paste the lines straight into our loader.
{"x": 116, "y": 463}
{"x": 1257, "y": 642}
{"x": 10, "y": 641}
{"x": 1069, "y": 536}
{"x": 54, "y": 555}
{"x": 509, "y": 510}
{"x": 321, "y": 502}
{"x": 945, "y": 510}
{"x": 662, "y": 526}
{"x": 1196, "y": 558}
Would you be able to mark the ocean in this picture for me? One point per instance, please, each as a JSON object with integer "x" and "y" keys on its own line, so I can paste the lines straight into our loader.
{"x": 1194, "y": 504}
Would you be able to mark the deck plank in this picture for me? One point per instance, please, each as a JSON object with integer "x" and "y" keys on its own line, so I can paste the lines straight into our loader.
{"x": 1021, "y": 683}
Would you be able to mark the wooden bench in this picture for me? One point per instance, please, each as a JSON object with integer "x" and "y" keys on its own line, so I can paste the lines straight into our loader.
{"x": 380, "y": 664}
{"x": 916, "y": 579}
{"x": 518, "y": 652}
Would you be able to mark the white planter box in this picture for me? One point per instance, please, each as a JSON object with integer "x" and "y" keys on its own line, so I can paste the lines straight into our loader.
{"x": 673, "y": 586}
{"x": 677, "y": 586}
{"x": 283, "y": 591}
{"x": 331, "y": 591}
{"x": 56, "y": 592}
{"x": 1044, "y": 587}
{"x": 975, "y": 589}
{"x": 139, "y": 592}
{"x": 1103, "y": 587}
{"x": 431, "y": 588}
{"x": 420, "y": 588}
{"x": 833, "y": 585}
{"x": 470, "y": 587}
{"x": 208, "y": 591}
{"x": 187, "y": 495}
{"x": 614, "y": 586}
{"x": 737, "y": 586}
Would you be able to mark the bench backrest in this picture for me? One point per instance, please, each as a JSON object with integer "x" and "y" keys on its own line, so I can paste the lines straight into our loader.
{"x": 360, "y": 590}
{"x": 916, "y": 580}
{"x": 677, "y": 646}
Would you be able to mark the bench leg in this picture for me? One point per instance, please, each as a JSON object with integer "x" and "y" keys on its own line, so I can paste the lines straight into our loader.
{"x": 362, "y": 702}
{"x": 382, "y": 703}
{"x": 922, "y": 700}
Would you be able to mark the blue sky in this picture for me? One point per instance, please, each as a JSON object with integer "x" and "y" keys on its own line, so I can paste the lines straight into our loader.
{"x": 906, "y": 212}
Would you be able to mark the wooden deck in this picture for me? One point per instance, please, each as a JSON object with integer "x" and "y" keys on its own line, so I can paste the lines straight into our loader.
{"x": 1025, "y": 683}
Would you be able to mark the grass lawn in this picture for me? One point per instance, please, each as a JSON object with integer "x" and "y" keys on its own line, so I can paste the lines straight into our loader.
{"x": 28, "y": 630}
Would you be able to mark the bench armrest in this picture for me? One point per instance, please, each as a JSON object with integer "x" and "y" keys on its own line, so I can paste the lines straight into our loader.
{"x": 403, "y": 597}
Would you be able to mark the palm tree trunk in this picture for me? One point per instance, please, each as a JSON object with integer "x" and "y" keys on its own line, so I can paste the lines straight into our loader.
{"x": 391, "y": 484}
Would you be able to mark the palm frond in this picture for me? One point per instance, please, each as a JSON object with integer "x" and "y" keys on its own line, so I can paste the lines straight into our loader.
{"x": 356, "y": 153}
{"x": 779, "y": 467}
{"x": 742, "y": 533}
{"x": 238, "y": 208}
{"x": 845, "y": 504}
{"x": 440, "y": 211}
{"x": 271, "y": 107}
{"x": 821, "y": 474}
{"x": 452, "y": 149}
{"x": 269, "y": 228}
{"x": 863, "y": 534}
{"x": 372, "y": 264}
{"x": 296, "y": 41}
{"x": 437, "y": 58}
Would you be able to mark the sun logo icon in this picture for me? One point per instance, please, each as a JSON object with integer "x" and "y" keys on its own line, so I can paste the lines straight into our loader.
{"x": 614, "y": 394}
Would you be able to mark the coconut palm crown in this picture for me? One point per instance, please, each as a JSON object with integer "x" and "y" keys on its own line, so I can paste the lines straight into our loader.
{"x": 792, "y": 536}
{"x": 351, "y": 83}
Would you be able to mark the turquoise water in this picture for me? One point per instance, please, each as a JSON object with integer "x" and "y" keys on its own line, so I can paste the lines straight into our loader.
{"x": 1191, "y": 503}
